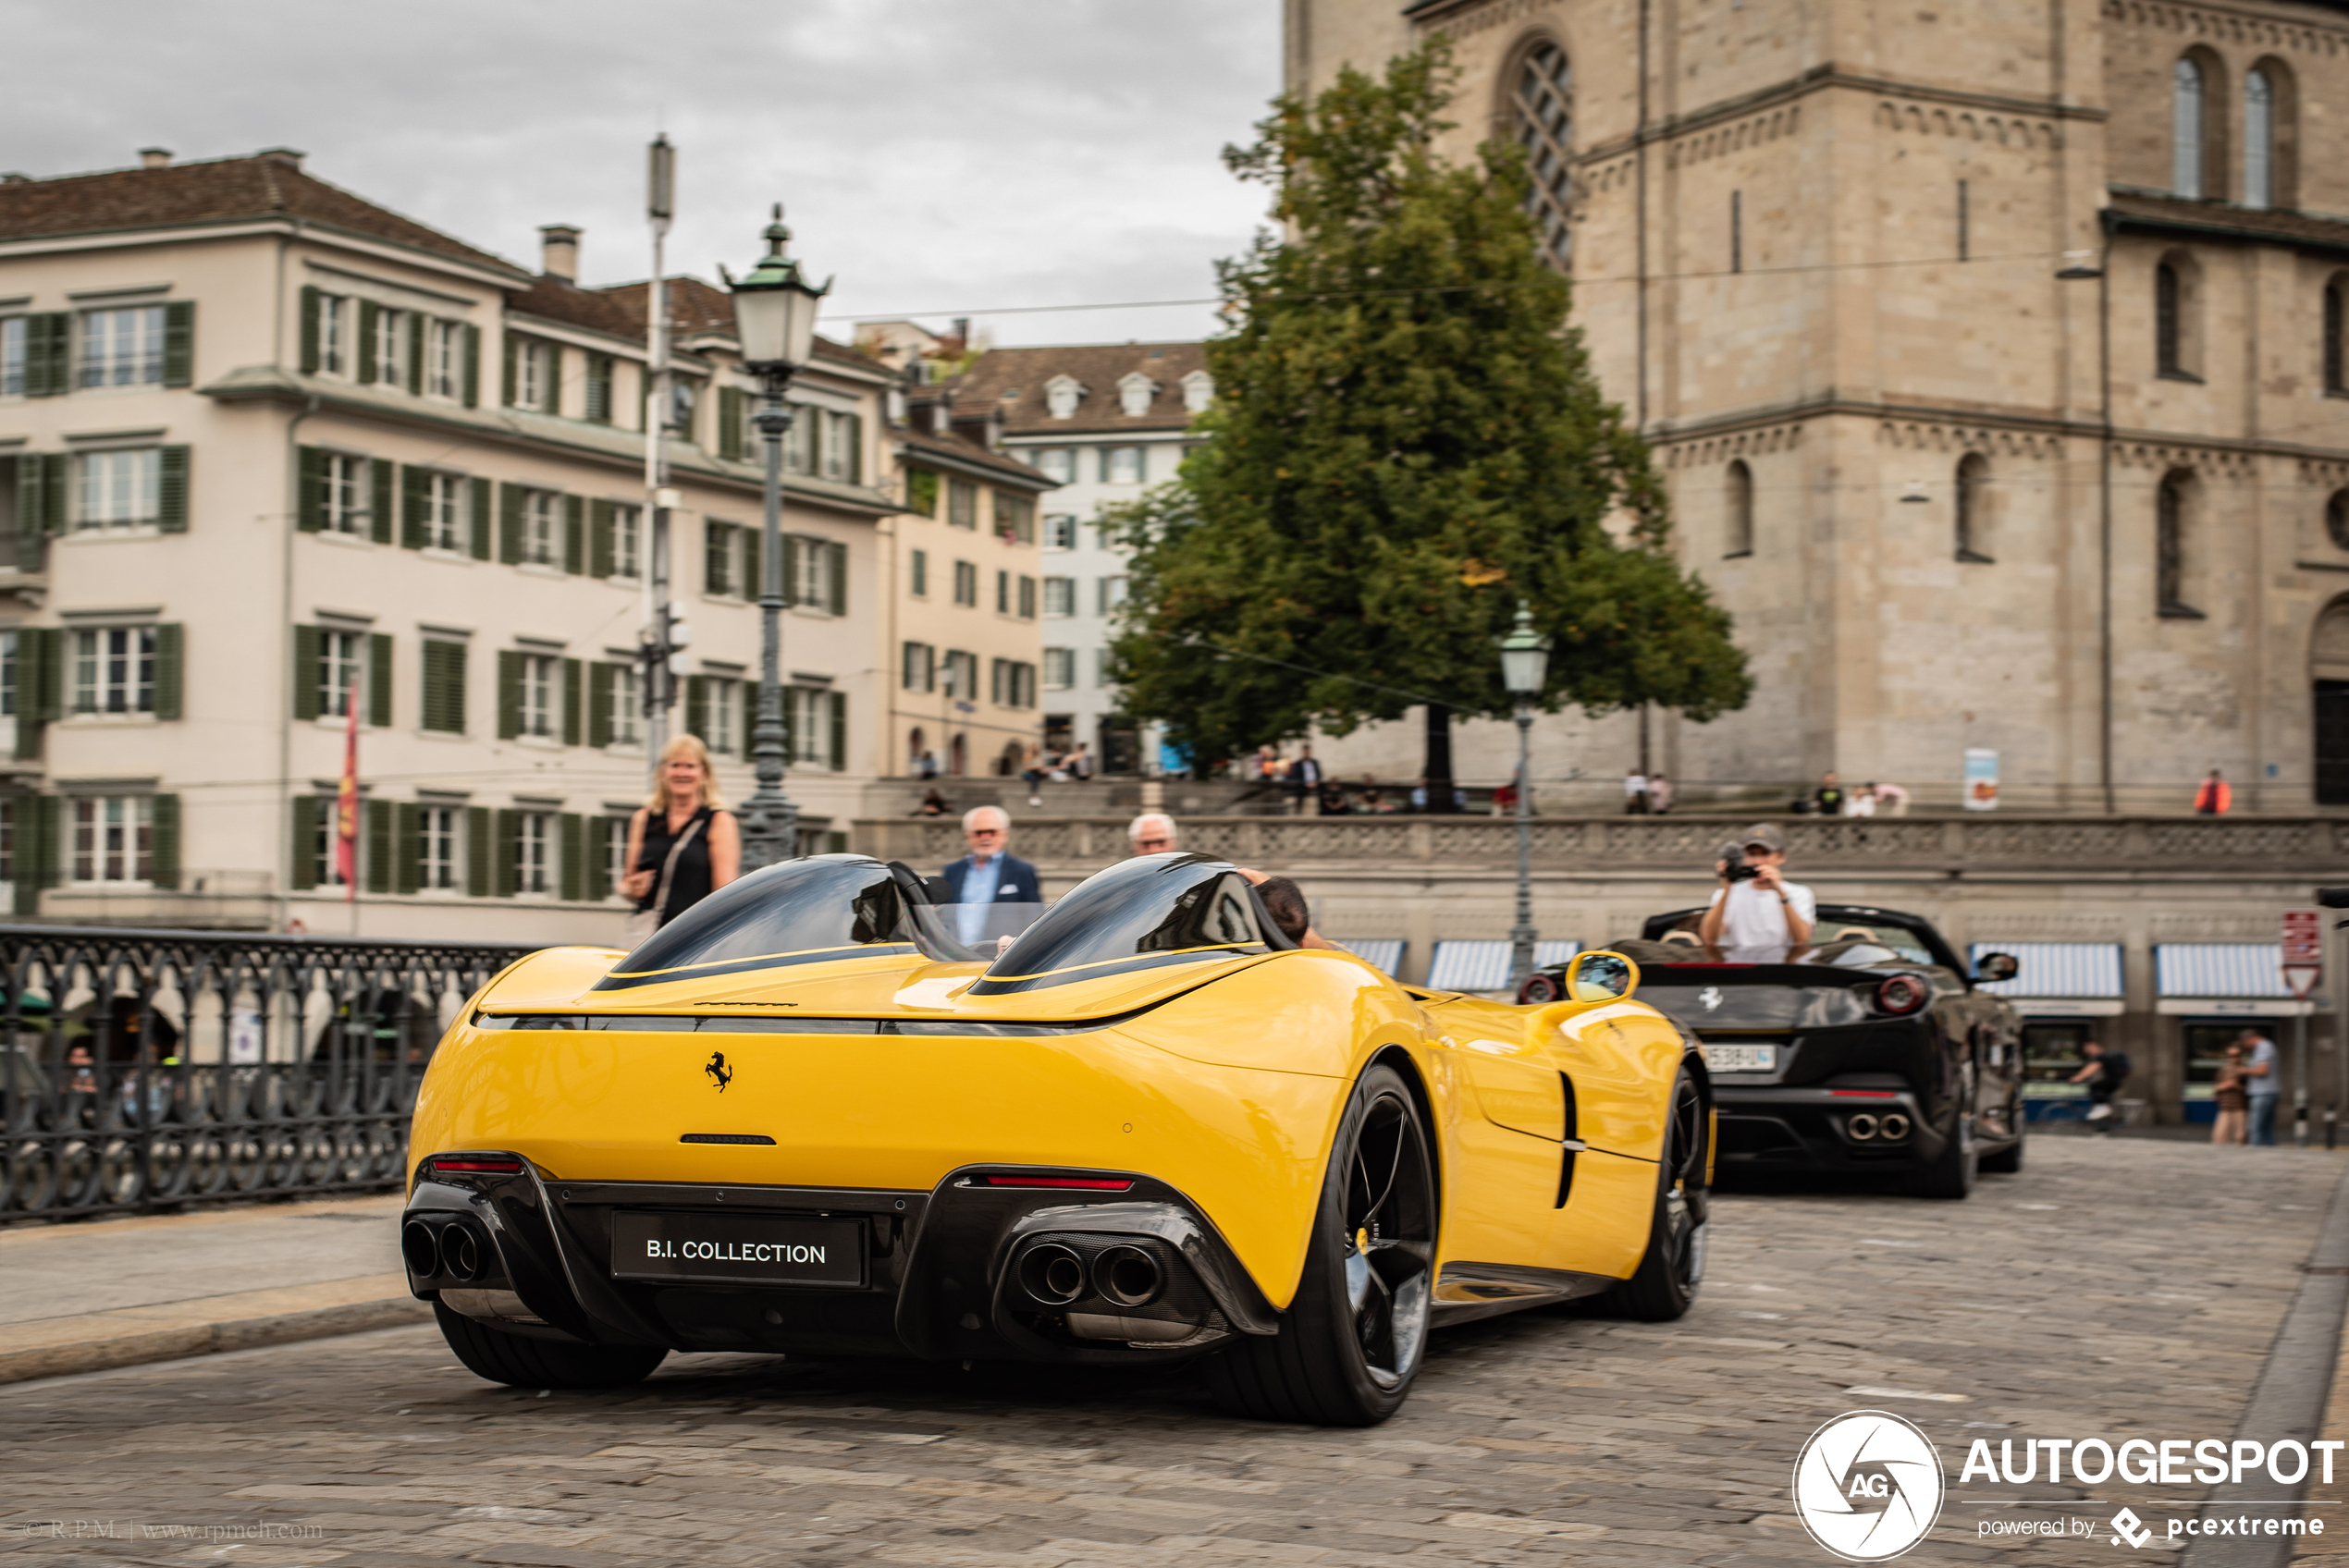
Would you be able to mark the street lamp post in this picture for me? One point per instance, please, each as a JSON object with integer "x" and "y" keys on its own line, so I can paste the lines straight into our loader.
{"x": 1525, "y": 664}
{"x": 775, "y": 319}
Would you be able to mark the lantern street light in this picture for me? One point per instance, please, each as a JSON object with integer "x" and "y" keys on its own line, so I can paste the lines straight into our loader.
{"x": 775, "y": 321}
{"x": 1525, "y": 664}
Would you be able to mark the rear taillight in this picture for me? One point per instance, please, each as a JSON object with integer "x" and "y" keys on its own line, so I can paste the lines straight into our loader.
{"x": 476, "y": 1164}
{"x": 1901, "y": 993}
{"x": 1082, "y": 1184}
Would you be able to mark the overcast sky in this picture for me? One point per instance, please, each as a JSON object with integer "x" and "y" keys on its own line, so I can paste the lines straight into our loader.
{"x": 937, "y": 155}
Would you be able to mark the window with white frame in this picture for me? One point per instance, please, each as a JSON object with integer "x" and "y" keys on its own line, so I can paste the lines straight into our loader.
{"x": 116, "y": 492}
{"x": 392, "y": 348}
{"x": 535, "y": 852}
{"x": 122, "y": 347}
{"x": 1060, "y": 533}
{"x": 325, "y": 869}
{"x": 627, "y": 541}
{"x": 444, "y": 360}
{"x": 966, "y": 583}
{"x": 1109, "y": 593}
{"x": 332, "y": 325}
{"x": 839, "y": 446}
{"x": 114, "y": 670}
{"x": 541, "y": 530}
{"x": 627, "y": 702}
{"x": 1061, "y": 393}
{"x": 113, "y": 838}
{"x": 615, "y": 851}
{"x": 343, "y": 480}
{"x": 1060, "y": 595}
{"x": 1199, "y": 390}
{"x": 959, "y": 674}
{"x": 1060, "y": 669}
{"x": 341, "y": 665}
{"x": 684, "y": 397}
{"x": 541, "y": 693}
{"x": 534, "y": 375}
{"x": 1122, "y": 465}
{"x": 920, "y": 667}
{"x": 1136, "y": 393}
{"x": 917, "y": 574}
{"x": 445, "y": 512}
{"x": 1057, "y": 464}
{"x": 812, "y": 562}
{"x": 808, "y": 720}
{"x": 437, "y": 867}
{"x": 12, "y": 353}
{"x": 724, "y": 695}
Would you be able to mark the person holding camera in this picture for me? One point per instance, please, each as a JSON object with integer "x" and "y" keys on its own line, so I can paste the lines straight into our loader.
{"x": 1755, "y": 911}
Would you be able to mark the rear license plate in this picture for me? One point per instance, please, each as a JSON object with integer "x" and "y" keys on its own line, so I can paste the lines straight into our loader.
{"x": 1742, "y": 1058}
{"x": 755, "y": 1249}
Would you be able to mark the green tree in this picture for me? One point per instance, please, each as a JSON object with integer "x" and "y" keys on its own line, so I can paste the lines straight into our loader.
{"x": 1406, "y": 440}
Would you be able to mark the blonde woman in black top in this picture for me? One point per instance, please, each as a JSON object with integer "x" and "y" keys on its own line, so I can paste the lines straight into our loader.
{"x": 683, "y": 843}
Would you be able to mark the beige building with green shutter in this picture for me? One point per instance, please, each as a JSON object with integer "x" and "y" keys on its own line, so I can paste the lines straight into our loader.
{"x": 267, "y": 448}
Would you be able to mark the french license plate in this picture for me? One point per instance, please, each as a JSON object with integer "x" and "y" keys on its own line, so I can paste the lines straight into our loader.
{"x": 755, "y": 1249}
{"x": 1742, "y": 1058}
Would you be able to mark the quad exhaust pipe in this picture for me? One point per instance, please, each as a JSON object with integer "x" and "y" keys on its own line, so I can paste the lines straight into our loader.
{"x": 453, "y": 1250}
{"x": 1058, "y": 1272}
{"x": 1867, "y": 1127}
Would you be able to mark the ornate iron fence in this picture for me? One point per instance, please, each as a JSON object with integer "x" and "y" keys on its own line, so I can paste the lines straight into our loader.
{"x": 144, "y": 1069}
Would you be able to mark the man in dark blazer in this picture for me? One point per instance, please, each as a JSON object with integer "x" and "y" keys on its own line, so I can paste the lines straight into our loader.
{"x": 990, "y": 875}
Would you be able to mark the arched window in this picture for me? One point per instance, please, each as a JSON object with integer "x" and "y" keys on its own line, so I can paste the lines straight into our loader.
{"x": 2185, "y": 128}
{"x": 2174, "y": 518}
{"x": 1739, "y": 536}
{"x": 2177, "y": 317}
{"x": 1543, "y": 103}
{"x": 2337, "y": 519}
{"x": 1974, "y": 507}
{"x": 2258, "y": 139}
{"x": 2336, "y": 334}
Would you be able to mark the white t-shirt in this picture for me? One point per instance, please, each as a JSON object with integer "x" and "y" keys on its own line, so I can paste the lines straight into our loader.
{"x": 1753, "y": 923}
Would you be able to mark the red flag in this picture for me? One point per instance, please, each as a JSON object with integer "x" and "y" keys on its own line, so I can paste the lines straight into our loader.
{"x": 347, "y": 799}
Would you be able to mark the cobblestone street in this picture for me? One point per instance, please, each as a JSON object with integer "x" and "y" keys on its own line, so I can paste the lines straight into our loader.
{"x": 2115, "y": 1288}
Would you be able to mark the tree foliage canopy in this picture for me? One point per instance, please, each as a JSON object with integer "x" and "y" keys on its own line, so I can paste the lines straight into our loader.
{"x": 1407, "y": 439}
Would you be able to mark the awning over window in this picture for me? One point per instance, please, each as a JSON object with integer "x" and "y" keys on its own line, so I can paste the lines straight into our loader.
{"x": 2080, "y": 970}
{"x": 2224, "y": 979}
{"x": 1484, "y": 966}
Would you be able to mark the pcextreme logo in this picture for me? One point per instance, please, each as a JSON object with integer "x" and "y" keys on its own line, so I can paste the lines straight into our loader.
{"x": 1867, "y": 1485}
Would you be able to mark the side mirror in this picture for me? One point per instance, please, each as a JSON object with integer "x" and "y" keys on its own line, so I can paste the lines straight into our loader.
{"x": 1994, "y": 967}
{"x": 1600, "y": 976}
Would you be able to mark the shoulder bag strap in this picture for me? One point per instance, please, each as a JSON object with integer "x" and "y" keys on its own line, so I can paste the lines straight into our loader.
{"x": 660, "y": 897}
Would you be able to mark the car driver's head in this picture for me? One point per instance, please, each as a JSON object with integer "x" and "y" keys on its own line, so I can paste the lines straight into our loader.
{"x": 1285, "y": 901}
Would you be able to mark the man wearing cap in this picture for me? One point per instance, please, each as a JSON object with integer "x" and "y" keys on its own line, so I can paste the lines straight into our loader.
{"x": 1762, "y": 916}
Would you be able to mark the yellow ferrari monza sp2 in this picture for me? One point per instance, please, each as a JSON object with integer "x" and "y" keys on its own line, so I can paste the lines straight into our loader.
{"x": 821, "y": 1112}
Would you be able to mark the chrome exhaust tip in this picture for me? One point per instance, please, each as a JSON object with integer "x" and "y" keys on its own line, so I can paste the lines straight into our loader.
{"x": 1862, "y": 1126}
{"x": 1127, "y": 1276}
{"x": 420, "y": 1249}
{"x": 1894, "y": 1125}
{"x": 461, "y": 1251}
{"x": 1052, "y": 1274}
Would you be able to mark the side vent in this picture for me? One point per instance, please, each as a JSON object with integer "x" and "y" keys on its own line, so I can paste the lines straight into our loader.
{"x": 1573, "y": 1143}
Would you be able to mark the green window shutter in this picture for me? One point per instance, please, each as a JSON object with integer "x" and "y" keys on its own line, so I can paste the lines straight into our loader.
{"x": 48, "y": 695}
{"x": 310, "y": 491}
{"x": 479, "y": 851}
{"x": 415, "y": 352}
{"x": 444, "y": 686}
{"x": 603, "y": 532}
{"x": 753, "y": 692}
{"x": 171, "y": 642}
{"x": 574, "y": 702}
{"x": 48, "y": 353}
{"x": 408, "y": 850}
{"x": 34, "y": 649}
{"x": 309, "y": 648}
{"x": 599, "y": 858}
{"x": 855, "y": 425}
{"x": 415, "y": 488}
{"x": 24, "y": 815}
{"x": 508, "y": 864}
{"x": 713, "y": 555}
{"x": 791, "y": 551}
{"x": 307, "y": 810}
{"x": 783, "y": 706}
{"x": 551, "y": 395}
{"x": 478, "y": 516}
{"x": 472, "y": 366}
{"x": 309, "y": 345}
{"x": 574, "y": 534}
{"x": 180, "y": 343}
{"x": 509, "y": 694}
{"x": 598, "y": 405}
{"x": 838, "y": 578}
{"x": 375, "y": 838}
{"x": 697, "y": 705}
{"x": 599, "y": 684}
{"x": 163, "y": 840}
{"x": 171, "y": 490}
{"x": 574, "y": 857}
{"x": 729, "y": 424}
{"x": 513, "y": 352}
{"x": 379, "y": 679}
{"x": 509, "y": 525}
{"x": 370, "y": 315}
{"x": 838, "y": 704}
{"x": 383, "y": 474}
{"x": 32, "y": 506}
{"x": 48, "y": 837}
{"x": 53, "y": 492}
{"x": 754, "y": 584}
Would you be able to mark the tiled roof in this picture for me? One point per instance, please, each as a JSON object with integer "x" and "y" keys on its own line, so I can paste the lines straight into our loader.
{"x": 695, "y": 307}
{"x": 969, "y": 452}
{"x": 2130, "y": 209}
{"x": 223, "y": 190}
{"x": 1013, "y": 381}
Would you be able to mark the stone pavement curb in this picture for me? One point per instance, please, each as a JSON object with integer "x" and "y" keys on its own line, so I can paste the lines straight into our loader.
{"x": 55, "y": 1347}
{"x": 2290, "y": 1399}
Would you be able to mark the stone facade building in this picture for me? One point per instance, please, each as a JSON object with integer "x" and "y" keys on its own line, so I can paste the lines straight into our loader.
{"x": 1994, "y": 357}
{"x": 267, "y": 448}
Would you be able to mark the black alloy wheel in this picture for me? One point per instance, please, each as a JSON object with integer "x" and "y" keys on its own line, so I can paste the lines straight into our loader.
{"x": 1673, "y": 1266}
{"x": 1352, "y": 1339}
{"x": 523, "y": 1362}
{"x": 1952, "y": 1172}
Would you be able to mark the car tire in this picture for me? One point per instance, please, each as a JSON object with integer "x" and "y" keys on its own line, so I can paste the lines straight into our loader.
{"x": 1951, "y": 1173}
{"x": 1665, "y": 1285}
{"x": 2007, "y": 1161}
{"x": 501, "y": 1358}
{"x": 1352, "y": 1339}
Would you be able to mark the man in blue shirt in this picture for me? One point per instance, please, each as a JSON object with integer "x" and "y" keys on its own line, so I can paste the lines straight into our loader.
{"x": 2259, "y": 1083}
{"x": 988, "y": 876}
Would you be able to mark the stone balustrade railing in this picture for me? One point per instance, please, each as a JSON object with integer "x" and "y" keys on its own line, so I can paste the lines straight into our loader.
{"x": 2315, "y": 847}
